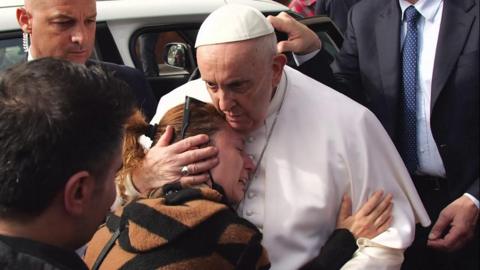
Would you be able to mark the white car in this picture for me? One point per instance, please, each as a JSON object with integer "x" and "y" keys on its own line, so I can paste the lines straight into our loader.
{"x": 155, "y": 36}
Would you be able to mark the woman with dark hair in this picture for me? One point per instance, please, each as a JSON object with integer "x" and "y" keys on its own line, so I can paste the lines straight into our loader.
{"x": 196, "y": 227}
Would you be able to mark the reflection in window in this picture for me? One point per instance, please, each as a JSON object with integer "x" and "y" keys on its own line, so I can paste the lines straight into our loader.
{"x": 147, "y": 51}
{"x": 11, "y": 52}
{"x": 151, "y": 49}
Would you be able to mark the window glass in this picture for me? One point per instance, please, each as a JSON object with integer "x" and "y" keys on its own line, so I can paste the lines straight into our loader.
{"x": 328, "y": 44}
{"x": 11, "y": 52}
{"x": 156, "y": 56}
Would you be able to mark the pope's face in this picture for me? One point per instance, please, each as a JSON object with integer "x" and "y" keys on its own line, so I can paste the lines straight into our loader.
{"x": 60, "y": 28}
{"x": 240, "y": 80}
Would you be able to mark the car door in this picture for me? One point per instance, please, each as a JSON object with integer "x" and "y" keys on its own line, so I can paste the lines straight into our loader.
{"x": 166, "y": 53}
{"x": 327, "y": 31}
{"x": 11, "y": 49}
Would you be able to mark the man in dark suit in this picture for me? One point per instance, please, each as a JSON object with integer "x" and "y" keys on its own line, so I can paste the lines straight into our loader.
{"x": 373, "y": 68}
{"x": 66, "y": 29}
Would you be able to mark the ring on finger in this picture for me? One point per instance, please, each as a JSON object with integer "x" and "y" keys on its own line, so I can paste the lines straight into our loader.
{"x": 184, "y": 170}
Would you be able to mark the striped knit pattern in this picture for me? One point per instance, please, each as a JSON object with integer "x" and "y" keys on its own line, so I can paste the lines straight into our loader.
{"x": 196, "y": 232}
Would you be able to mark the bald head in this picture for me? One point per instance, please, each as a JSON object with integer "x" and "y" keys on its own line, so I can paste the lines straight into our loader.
{"x": 59, "y": 28}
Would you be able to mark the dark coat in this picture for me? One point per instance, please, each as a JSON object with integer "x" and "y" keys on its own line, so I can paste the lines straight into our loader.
{"x": 134, "y": 78}
{"x": 137, "y": 82}
{"x": 337, "y": 10}
{"x": 21, "y": 254}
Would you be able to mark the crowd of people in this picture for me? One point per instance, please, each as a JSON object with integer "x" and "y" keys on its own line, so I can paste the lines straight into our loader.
{"x": 368, "y": 163}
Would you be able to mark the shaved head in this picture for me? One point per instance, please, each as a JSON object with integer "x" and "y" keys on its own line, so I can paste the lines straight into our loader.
{"x": 59, "y": 28}
{"x": 35, "y": 4}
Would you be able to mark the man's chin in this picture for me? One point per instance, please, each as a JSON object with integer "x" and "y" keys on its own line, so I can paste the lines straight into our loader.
{"x": 77, "y": 58}
{"x": 240, "y": 126}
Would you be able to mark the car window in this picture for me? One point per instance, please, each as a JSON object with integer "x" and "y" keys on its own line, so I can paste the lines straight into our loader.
{"x": 327, "y": 31}
{"x": 328, "y": 44}
{"x": 164, "y": 53}
{"x": 11, "y": 51}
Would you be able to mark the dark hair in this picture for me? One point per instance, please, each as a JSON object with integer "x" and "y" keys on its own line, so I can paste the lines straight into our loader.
{"x": 204, "y": 119}
{"x": 56, "y": 118}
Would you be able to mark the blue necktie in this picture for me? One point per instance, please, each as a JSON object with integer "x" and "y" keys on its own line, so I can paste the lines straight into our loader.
{"x": 409, "y": 80}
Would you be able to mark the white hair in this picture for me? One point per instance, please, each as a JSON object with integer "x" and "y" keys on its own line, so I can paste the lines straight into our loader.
{"x": 268, "y": 44}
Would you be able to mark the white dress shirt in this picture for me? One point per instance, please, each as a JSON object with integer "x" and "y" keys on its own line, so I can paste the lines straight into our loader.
{"x": 428, "y": 24}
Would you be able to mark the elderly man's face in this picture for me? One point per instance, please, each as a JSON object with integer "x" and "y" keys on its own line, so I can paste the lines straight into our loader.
{"x": 240, "y": 79}
{"x": 60, "y": 28}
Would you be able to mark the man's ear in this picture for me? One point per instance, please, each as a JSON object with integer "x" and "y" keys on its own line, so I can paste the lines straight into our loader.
{"x": 23, "y": 19}
{"x": 278, "y": 64}
{"x": 78, "y": 193}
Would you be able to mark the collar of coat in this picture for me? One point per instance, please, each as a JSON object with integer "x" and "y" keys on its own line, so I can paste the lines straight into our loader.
{"x": 163, "y": 217}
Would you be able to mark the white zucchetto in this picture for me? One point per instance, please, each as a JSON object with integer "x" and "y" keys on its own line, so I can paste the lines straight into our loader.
{"x": 232, "y": 22}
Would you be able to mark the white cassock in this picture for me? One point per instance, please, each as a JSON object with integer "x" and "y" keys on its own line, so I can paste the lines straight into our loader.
{"x": 322, "y": 145}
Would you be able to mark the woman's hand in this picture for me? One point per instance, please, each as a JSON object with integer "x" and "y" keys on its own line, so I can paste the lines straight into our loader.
{"x": 373, "y": 218}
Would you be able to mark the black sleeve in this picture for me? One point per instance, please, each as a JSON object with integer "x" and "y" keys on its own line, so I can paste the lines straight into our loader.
{"x": 474, "y": 189}
{"x": 319, "y": 69}
{"x": 322, "y": 7}
{"x": 142, "y": 90}
{"x": 338, "y": 249}
{"x": 139, "y": 85}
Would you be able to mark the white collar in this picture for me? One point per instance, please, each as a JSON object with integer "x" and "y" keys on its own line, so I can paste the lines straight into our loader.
{"x": 29, "y": 54}
{"x": 427, "y": 8}
{"x": 277, "y": 99}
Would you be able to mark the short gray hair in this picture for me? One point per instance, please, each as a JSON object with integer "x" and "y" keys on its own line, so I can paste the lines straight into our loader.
{"x": 268, "y": 43}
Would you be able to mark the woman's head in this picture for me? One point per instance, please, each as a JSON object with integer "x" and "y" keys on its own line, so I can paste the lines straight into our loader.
{"x": 234, "y": 165}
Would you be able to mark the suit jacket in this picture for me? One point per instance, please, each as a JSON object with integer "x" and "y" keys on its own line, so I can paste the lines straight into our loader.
{"x": 337, "y": 10}
{"x": 137, "y": 82}
{"x": 368, "y": 69}
{"x": 23, "y": 253}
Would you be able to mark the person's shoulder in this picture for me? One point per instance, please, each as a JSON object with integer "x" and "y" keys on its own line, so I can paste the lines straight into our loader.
{"x": 121, "y": 70}
{"x": 320, "y": 98}
{"x": 6, "y": 254}
{"x": 177, "y": 95}
{"x": 195, "y": 89}
{"x": 20, "y": 253}
{"x": 372, "y": 4}
{"x": 369, "y": 8}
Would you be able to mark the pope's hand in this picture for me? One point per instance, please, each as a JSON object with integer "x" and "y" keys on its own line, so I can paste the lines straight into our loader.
{"x": 163, "y": 163}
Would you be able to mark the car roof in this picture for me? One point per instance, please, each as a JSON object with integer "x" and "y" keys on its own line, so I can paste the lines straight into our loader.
{"x": 11, "y": 3}
{"x": 173, "y": 11}
{"x": 126, "y": 9}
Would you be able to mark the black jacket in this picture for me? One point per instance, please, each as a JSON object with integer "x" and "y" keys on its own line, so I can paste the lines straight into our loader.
{"x": 137, "y": 82}
{"x": 337, "y": 10}
{"x": 23, "y": 254}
